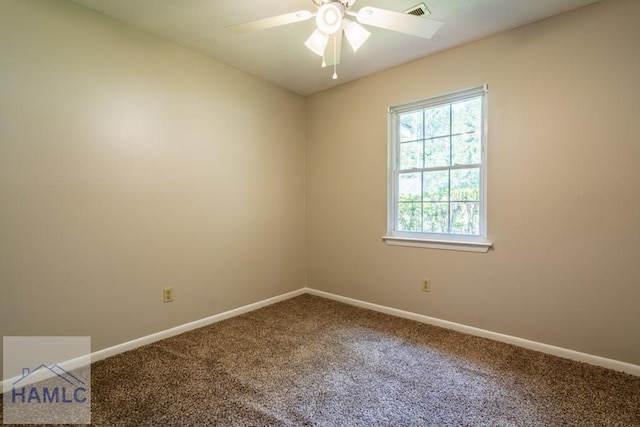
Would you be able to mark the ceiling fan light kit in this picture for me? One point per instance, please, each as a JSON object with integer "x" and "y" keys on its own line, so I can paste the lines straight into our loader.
{"x": 355, "y": 33}
{"x": 329, "y": 18}
{"x": 317, "y": 42}
{"x": 331, "y": 23}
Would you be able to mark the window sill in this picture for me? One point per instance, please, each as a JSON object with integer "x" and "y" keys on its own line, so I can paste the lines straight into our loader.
{"x": 449, "y": 245}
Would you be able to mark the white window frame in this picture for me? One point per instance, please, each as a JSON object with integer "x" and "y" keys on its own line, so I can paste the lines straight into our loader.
{"x": 469, "y": 243}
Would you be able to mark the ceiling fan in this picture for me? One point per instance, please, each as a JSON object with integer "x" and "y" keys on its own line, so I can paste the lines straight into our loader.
{"x": 333, "y": 18}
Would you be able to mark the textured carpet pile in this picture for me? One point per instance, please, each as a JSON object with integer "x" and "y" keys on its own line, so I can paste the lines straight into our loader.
{"x": 310, "y": 361}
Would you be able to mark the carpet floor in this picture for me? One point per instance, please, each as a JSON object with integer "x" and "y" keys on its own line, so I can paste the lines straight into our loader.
{"x": 310, "y": 361}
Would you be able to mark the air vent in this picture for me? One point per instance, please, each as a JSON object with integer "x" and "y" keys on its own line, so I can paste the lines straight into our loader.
{"x": 418, "y": 10}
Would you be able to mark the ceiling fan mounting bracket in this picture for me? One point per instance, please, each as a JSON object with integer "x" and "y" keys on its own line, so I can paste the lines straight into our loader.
{"x": 346, "y": 3}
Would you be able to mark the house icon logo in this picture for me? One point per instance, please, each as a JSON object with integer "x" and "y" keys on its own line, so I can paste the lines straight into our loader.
{"x": 53, "y": 384}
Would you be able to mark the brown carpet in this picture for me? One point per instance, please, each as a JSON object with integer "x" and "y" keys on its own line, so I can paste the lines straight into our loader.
{"x": 310, "y": 361}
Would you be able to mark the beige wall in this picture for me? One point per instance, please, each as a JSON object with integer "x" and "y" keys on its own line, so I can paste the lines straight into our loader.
{"x": 128, "y": 164}
{"x": 563, "y": 186}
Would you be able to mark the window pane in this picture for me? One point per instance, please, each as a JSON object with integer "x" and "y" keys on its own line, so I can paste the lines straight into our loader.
{"x": 436, "y": 186}
{"x": 437, "y": 121}
{"x": 466, "y": 149}
{"x": 411, "y": 126}
{"x": 436, "y": 216}
{"x": 436, "y": 152}
{"x": 465, "y": 218}
{"x": 409, "y": 216}
{"x": 465, "y": 185}
{"x": 467, "y": 116}
{"x": 411, "y": 155}
{"x": 409, "y": 187}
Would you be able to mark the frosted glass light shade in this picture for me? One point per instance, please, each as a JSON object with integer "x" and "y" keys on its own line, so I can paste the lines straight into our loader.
{"x": 355, "y": 33}
{"x": 317, "y": 42}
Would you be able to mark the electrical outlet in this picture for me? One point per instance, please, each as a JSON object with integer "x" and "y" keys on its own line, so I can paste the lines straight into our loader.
{"x": 167, "y": 294}
{"x": 426, "y": 285}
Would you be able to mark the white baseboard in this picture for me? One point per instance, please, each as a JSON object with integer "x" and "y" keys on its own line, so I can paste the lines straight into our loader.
{"x": 130, "y": 345}
{"x": 148, "y": 339}
{"x": 532, "y": 345}
{"x": 520, "y": 342}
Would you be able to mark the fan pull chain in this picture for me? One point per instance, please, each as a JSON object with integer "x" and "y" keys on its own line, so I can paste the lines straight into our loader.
{"x": 335, "y": 74}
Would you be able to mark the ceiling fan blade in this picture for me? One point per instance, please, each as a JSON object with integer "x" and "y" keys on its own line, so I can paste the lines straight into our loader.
{"x": 398, "y": 21}
{"x": 329, "y": 57}
{"x": 274, "y": 21}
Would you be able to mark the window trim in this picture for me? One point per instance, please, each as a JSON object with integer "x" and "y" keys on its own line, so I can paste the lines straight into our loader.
{"x": 468, "y": 243}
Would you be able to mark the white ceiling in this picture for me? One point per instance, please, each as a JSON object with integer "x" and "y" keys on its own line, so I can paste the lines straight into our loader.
{"x": 278, "y": 55}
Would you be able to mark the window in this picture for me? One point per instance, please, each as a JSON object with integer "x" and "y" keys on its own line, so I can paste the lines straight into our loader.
{"x": 437, "y": 172}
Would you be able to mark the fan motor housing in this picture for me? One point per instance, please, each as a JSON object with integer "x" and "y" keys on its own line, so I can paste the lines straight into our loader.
{"x": 344, "y": 2}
